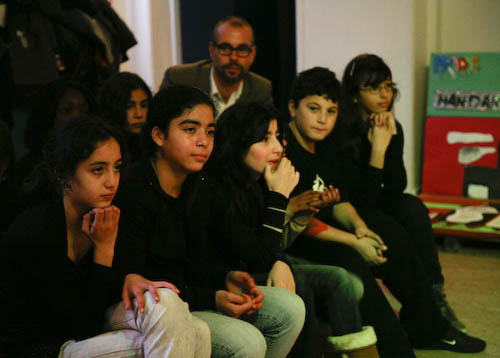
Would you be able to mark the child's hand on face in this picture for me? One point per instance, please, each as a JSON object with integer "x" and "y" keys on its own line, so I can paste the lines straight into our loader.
{"x": 380, "y": 134}
{"x": 384, "y": 119}
{"x": 283, "y": 179}
{"x": 101, "y": 225}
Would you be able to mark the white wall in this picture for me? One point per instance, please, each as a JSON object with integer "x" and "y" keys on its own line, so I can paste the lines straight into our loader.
{"x": 404, "y": 33}
{"x": 157, "y": 30}
{"x": 331, "y": 32}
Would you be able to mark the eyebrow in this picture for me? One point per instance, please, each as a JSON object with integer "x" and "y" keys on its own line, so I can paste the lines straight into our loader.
{"x": 197, "y": 123}
{"x": 103, "y": 162}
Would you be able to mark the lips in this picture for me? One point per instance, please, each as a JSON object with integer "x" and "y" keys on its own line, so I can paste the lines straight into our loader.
{"x": 233, "y": 67}
{"x": 200, "y": 157}
{"x": 108, "y": 196}
{"x": 384, "y": 104}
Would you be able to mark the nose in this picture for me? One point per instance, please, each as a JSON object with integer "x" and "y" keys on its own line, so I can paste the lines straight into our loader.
{"x": 112, "y": 179}
{"x": 383, "y": 92}
{"x": 203, "y": 139}
{"x": 277, "y": 147}
{"x": 139, "y": 111}
{"x": 322, "y": 117}
{"x": 233, "y": 55}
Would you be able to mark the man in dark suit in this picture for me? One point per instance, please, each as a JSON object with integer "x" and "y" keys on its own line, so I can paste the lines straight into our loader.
{"x": 226, "y": 77}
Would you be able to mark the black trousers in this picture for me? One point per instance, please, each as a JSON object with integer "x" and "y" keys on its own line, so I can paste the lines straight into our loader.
{"x": 411, "y": 213}
{"x": 403, "y": 274}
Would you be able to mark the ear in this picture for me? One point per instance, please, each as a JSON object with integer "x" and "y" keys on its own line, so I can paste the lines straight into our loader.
{"x": 65, "y": 185}
{"x": 211, "y": 50}
{"x": 252, "y": 54}
{"x": 158, "y": 136}
{"x": 291, "y": 108}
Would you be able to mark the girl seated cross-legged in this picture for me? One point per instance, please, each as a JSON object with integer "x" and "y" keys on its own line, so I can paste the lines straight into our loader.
{"x": 163, "y": 234}
{"x": 372, "y": 162}
{"x": 57, "y": 277}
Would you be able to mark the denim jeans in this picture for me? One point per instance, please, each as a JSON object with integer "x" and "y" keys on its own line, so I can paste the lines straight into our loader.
{"x": 330, "y": 293}
{"x": 165, "y": 329}
{"x": 337, "y": 293}
{"x": 271, "y": 334}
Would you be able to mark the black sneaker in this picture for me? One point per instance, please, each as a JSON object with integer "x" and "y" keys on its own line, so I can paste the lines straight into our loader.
{"x": 456, "y": 341}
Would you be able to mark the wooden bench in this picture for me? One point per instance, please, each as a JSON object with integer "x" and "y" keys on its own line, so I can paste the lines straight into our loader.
{"x": 442, "y": 205}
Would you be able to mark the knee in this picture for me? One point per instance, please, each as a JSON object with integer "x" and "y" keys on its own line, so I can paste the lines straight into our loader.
{"x": 253, "y": 344}
{"x": 358, "y": 289}
{"x": 169, "y": 307}
{"x": 347, "y": 284}
{"x": 414, "y": 206}
{"x": 202, "y": 331}
{"x": 290, "y": 306}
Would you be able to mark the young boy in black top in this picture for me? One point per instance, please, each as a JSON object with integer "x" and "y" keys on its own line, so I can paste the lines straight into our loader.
{"x": 340, "y": 235}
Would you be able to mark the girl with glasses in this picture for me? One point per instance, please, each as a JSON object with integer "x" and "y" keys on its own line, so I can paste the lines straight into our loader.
{"x": 373, "y": 142}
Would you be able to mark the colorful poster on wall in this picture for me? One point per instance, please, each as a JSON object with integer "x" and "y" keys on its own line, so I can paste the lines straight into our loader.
{"x": 456, "y": 148}
{"x": 464, "y": 85}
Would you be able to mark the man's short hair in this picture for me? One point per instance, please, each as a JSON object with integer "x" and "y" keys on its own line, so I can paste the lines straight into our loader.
{"x": 235, "y": 21}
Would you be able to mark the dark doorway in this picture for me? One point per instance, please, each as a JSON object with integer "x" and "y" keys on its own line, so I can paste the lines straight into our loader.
{"x": 274, "y": 26}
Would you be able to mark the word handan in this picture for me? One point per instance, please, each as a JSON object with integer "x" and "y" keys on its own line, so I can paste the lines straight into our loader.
{"x": 467, "y": 100}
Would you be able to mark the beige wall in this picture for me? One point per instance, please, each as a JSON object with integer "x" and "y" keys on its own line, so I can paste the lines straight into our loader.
{"x": 448, "y": 26}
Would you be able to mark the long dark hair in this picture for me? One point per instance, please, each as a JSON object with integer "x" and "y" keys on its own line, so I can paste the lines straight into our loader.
{"x": 72, "y": 142}
{"x": 366, "y": 70}
{"x": 237, "y": 129}
{"x": 115, "y": 93}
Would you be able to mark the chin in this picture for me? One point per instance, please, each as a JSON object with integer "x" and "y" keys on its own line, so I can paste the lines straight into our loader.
{"x": 195, "y": 168}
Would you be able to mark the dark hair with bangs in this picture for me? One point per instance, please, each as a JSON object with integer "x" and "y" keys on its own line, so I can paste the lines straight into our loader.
{"x": 366, "y": 70}
{"x": 115, "y": 93}
{"x": 73, "y": 141}
{"x": 168, "y": 104}
{"x": 237, "y": 129}
{"x": 317, "y": 81}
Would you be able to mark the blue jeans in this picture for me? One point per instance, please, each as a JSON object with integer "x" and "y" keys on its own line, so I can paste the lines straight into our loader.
{"x": 330, "y": 293}
{"x": 271, "y": 334}
{"x": 337, "y": 293}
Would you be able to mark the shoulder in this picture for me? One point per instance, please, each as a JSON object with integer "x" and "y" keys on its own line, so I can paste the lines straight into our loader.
{"x": 37, "y": 225}
{"x": 180, "y": 72}
{"x": 137, "y": 187}
{"x": 258, "y": 79}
